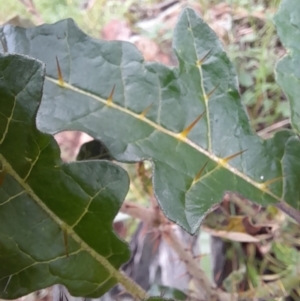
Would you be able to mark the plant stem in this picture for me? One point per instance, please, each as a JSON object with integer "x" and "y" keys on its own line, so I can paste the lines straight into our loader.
{"x": 135, "y": 210}
{"x": 131, "y": 287}
{"x": 203, "y": 284}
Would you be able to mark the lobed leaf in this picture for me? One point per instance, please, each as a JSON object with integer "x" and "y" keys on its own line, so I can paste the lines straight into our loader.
{"x": 288, "y": 76}
{"x": 188, "y": 120}
{"x": 287, "y": 72}
{"x": 55, "y": 218}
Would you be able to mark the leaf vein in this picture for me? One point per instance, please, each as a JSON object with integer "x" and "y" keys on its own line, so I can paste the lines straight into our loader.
{"x": 203, "y": 90}
{"x": 163, "y": 130}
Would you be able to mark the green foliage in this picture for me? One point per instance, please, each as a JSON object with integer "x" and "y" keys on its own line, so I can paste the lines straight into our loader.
{"x": 188, "y": 121}
{"x": 254, "y": 54}
{"x": 172, "y": 99}
{"x": 288, "y": 76}
{"x": 254, "y": 57}
{"x": 53, "y": 216}
{"x": 253, "y": 47}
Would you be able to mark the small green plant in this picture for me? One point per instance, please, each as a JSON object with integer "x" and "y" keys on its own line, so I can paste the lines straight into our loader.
{"x": 188, "y": 121}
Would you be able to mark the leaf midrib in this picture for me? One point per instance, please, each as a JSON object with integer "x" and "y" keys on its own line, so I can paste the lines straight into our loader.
{"x": 220, "y": 161}
{"x": 127, "y": 282}
{"x": 209, "y": 144}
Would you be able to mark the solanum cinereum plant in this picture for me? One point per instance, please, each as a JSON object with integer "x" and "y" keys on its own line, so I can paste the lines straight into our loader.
{"x": 188, "y": 121}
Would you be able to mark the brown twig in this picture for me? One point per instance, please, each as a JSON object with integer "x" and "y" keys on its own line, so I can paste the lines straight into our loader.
{"x": 266, "y": 132}
{"x": 147, "y": 215}
{"x": 289, "y": 210}
{"x": 202, "y": 282}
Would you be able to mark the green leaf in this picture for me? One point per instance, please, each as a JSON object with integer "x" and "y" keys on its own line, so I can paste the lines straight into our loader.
{"x": 287, "y": 72}
{"x": 55, "y": 218}
{"x": 151, "y": 106}
{"x": 288, "y": 76}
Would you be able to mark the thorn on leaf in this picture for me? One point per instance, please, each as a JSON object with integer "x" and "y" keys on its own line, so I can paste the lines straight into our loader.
{"x": 61, "y": 81}
{"x": 143, "y": 114}
{"x": 264, "y": 186}
{"x": 201, "y": 61}
{"x": 224, "y": 161}
{"x": 198, "y": 175}
{"x": 110, "y": 97}
{"x": 209, "y": 94}
{"x": 186, "y": 131}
